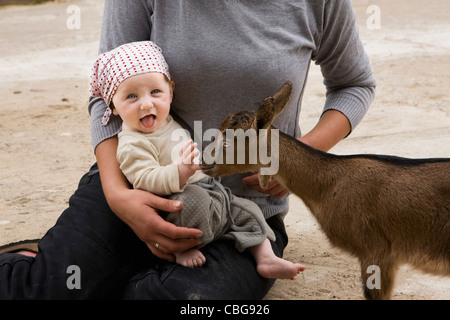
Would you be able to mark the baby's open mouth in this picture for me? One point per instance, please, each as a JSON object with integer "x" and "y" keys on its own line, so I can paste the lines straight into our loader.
{"x": 148, "y": 121}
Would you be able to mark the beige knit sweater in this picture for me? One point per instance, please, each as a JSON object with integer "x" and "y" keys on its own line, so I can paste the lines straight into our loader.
{"x": 149, "y": 161}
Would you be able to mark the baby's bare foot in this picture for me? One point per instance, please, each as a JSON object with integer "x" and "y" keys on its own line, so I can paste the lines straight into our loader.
{"x": 277, "y": 268}
{"x": 191, "y": 258}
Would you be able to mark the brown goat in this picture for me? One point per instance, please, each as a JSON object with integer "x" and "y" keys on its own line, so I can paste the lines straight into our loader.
{"x": 386, "y": 211}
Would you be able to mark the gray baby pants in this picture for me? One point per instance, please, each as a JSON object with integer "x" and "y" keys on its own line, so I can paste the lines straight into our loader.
{"x": 210, "y": 207}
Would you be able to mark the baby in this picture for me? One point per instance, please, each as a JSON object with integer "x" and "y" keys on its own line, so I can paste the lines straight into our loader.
{"x": 135, "y": 83}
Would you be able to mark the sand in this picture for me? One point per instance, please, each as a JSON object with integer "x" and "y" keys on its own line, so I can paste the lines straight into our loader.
{"x": 45, "y": 144}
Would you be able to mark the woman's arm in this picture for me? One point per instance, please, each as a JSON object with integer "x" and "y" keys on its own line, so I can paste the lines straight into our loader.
{"x": 348, "y": 78}
{"x": 123, "y": 22}
{"x": 344, "y": 64}
{"x": 128, "y": 21}
{"x": 332, "y": 127}
{"x": 137, "y": 208}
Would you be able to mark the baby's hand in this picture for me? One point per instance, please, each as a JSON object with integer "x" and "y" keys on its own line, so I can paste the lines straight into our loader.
{"x": 188, "y": 164}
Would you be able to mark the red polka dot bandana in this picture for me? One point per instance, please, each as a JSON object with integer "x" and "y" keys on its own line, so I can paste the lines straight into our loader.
{"x": 113, "y": 67}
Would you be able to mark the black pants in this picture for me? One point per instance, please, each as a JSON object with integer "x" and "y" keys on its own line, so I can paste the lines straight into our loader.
{"x": 91, "y": 254}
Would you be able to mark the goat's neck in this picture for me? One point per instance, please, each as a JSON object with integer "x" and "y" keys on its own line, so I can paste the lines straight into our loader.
{"x": 307, "y": 173}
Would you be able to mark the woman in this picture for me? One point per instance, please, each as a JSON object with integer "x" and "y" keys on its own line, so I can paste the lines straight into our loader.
{"x": 225, "y": 56}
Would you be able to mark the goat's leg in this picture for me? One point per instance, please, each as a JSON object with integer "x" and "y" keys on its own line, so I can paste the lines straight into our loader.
{"x": 378, "y": 277}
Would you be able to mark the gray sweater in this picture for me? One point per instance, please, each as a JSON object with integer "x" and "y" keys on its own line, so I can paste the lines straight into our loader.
{"x": 228, "y": 55}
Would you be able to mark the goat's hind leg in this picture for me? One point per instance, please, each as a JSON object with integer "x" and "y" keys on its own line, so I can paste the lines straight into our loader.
{"x": 378, "y": 278}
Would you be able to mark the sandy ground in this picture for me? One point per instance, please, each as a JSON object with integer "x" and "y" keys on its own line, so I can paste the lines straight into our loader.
{"x": 45, "y": 144}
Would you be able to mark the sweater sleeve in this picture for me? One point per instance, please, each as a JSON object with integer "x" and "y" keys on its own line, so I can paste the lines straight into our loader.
{"x": 344, "y": 64}
{"x": 138, "y": 160}
{"x": 123, "y": 22}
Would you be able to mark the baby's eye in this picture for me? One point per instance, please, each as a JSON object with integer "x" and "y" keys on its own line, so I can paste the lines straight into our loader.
{"x": 131, "y": 96}
{"x": 155, "y": 91}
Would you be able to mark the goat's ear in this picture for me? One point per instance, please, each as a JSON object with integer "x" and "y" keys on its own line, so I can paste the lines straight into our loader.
{"x": 272, "y": 106}
{"x": 265, "y": 113}
{"x": 281, "y": 98}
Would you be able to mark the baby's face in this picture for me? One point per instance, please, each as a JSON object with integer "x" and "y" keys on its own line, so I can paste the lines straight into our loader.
{"x": 143, "y": 102}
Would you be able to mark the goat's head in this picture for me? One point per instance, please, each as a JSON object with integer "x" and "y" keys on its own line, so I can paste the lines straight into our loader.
{"x": 237, "y": 149}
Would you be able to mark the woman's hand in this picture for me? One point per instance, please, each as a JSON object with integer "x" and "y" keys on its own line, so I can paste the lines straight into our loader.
{"x": 274, "y": 188}
{"x": 138, "y": 208}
